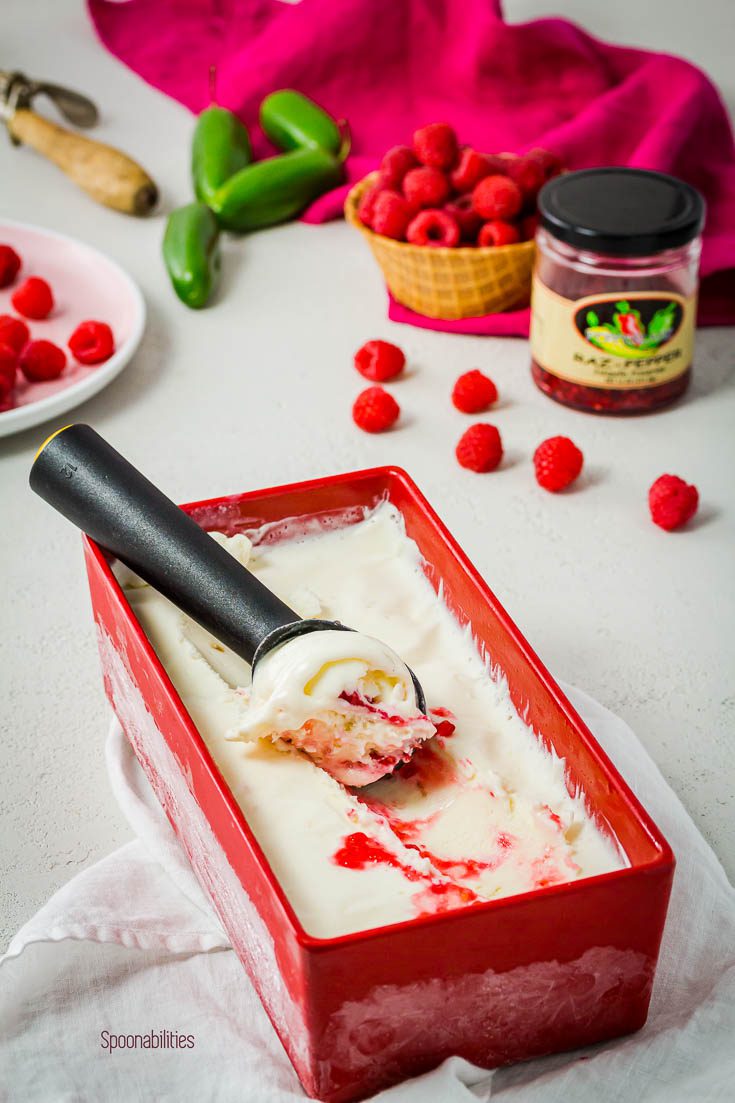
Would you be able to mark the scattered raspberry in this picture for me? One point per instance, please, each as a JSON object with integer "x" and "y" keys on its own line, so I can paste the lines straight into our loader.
{"x": 380, "y": 361}
{"x": 497, "y": 197}
{"x": 549, "y": 162}
{"x": 529, "y": 225}
{"x": 366, "y": 206}
{"x": 672, "y": 502}
{"x": 480, "y": 448}
{"x": 33, "y": 299}
{"x": 497, "y": 233}
{"x": 92, "y": 342}
{"x": 9, "y": 265}
{"x": 474, "y": 392}
{"x": 558, "y": 462}
{"x": 375, "y": 410}
{"x": 8, "y": 364}
{"x": 434, "y": 228}
{"x": 13, "y": 332}
{"x": 42, "y": 360}
{"x": 465, "y": 215}
{"x": 529, "y": 175}
{"x": 391, "y": 215}
{"x": 395, "y": 164}
{"x": 436, "y": 145}
{"x": 425, "y": 187}
{"x": 472, "y": 168}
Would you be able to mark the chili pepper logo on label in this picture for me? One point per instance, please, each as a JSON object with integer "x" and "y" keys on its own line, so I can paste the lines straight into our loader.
{"x": 633, "y": 329}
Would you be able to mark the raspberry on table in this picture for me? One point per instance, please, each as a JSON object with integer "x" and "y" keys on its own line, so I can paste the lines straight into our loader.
{"x": 471, "y": 169}
{"x": 92, "y": 342}
{"x": 672, "y": 502}
{"x": 380, "y": 361}
{"x": 375, "y": 410}
{"x": 9, "y": 265}
{"x": 465, "y": 215}
{"x": 395, "y": 164}
{"x": 474, "y": 392}
{"x": 436, "y": 229}
{"x": 497, "y": 197}
{"x": 391, "y": 215}
{"x": 8, "y": 368}
{"x": 33, "y": 299}
{"x": 480, "y": 448}
{"x": 496, "y": 232}
{"x": 529, "y": 175}
{"x": 558, "y": 462}
{"x": 41, "y": 361}
{"x": 425, "y": 187}
{"x": 13, "y": 332}
{"x": 436, "y": 145}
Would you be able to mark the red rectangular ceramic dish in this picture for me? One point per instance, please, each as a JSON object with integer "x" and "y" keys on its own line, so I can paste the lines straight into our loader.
{"x": 494, "y": 982}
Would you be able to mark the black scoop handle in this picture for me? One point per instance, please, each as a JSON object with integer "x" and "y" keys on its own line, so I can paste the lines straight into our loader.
{"x": 98, "y": 490}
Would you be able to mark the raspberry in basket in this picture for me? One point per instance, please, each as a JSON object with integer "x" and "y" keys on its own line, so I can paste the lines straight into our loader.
{"x": 672, "y": 502}
{"x": 497, "y": 197}
{"x": 366, "y": 206}
{"x": 33, "y": 299}
{"x": 9, "y": 265}
{"x": 380, "y": 361}
{"x": 425, "y": 187}
{"x": 550, "y": 163}
{"x": 480, "y": 448}
{"x": 474, "y": 392}
{"x": 465, "y": 215}
{"x": 558, "y": 462}
{"x": 13, "y": 332}
{"x": 436, "y": 145}
{"x": 497, "y": 232}
{"x": 92, "y": 342}
{"x": 375, "y": 410}
{"x": 472, "y": 168}
{"x": 433, "y": 228}
{"x": 395, "y": 164}
{"x": 391, "y": 215}
{"x": 529, "y": 175}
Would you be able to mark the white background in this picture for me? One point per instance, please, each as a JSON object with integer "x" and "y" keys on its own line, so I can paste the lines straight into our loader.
{"x": 257, "y": 391}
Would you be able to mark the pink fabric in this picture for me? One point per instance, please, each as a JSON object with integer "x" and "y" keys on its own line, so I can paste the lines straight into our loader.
{"x": 389, "y": 66}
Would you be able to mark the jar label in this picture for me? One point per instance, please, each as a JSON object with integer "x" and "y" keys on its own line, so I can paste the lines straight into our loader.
{"x": 614, "y": 342}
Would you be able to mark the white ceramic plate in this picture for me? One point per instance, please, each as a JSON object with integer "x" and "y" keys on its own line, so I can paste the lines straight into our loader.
{"x": 86, "y": 285}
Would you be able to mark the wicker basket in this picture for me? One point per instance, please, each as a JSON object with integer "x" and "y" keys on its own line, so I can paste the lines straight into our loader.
{"x": 448, "y": 283}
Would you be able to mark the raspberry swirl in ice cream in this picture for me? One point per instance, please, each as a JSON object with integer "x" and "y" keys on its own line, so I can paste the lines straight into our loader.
{"x": 343, "y": 698}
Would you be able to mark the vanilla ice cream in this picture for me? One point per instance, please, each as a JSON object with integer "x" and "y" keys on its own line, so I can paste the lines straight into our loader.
{"x": 477, "y": 813}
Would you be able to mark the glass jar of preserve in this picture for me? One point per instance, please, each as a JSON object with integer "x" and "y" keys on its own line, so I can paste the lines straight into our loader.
{"x": 614, "y": 296}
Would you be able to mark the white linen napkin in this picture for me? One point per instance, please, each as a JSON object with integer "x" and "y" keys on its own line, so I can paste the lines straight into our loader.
{"x": 132, "y": 946}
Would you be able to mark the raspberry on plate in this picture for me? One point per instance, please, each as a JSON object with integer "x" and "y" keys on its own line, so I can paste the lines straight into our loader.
{"x": 474, "y": 392}
{"x": 41, "y": 361}
{"x": 425, "y": 187}
{"x": 472, "y": 168}
{"x": 9, "y": 265}
{"x": 496, "y": 232}
{"x": 672, "y": 502}
{"x": 391, "y": 215}
{"x": 13, "y": 332}
{"x": 497, "y": 197}
{"x": 8, "y": 362}
{"x": 33, "y": 299}
{"x": 375, "y": 410}
{"x": 395, "y": 164}
{"x": 380, "y": 361}
{"x": 480, "y": 448}
{"x": 92, "y": 342}
{"x": 433, "y": 228}
{"x": 436, "y": 145}
{"x": 465, "y": 215}
{"x": 558, "y": 462}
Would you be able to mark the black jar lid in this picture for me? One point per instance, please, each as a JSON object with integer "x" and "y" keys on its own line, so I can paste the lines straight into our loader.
{"x": 621, "y": 212}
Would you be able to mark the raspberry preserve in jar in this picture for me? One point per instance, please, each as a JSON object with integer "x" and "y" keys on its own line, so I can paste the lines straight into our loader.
{"x": 614, "y": 295}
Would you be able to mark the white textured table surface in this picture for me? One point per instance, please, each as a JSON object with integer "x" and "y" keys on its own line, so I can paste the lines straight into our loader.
{"x": 257, "y": 391}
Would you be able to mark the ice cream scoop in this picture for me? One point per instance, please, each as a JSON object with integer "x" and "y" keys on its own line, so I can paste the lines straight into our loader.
{"x": 343, "y": 698}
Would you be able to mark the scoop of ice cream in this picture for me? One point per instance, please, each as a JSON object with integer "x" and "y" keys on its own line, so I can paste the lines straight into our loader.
{"x": 345, "y": 699}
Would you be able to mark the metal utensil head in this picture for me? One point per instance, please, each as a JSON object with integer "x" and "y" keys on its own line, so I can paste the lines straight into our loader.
{"x": 19, "y": 91}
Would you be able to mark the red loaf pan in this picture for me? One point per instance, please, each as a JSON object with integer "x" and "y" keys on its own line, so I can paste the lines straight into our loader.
{"x": 494, "y": 982}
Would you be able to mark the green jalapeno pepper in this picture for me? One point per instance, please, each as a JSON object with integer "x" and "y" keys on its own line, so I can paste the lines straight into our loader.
{"x": 220, "y": 148}
{"x": 275, "y": 190}
{"x": 292, "y": 121}
{"x": 191, "y": 253}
